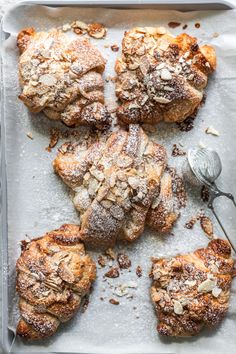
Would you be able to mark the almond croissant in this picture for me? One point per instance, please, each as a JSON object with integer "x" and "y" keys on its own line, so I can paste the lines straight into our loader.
{"x": 192, "y": 291}
{"x": 119, "y": 184}
{"x": 62, "y": 77}
{"x": 53, "y": 275}
{"x": 161, "y": 77}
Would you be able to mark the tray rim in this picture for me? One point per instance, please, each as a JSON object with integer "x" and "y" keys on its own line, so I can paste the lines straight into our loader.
{"x": 227, "y": 4}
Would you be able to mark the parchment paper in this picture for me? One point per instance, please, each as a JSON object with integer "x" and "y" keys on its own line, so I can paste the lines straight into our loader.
{"x": 38, "y": 201}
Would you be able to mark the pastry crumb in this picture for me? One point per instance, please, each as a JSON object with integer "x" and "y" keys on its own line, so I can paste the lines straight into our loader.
{"x": 207, "y": 226}
{"x": 215, "y": 35}
{"x": 112, "y": 273}
{"x": 176, "y": 151}
{"x": 174, "y": 24}
{"x": 123, "y": 261}
{"x": 110, "y": 253}
{"x": 115, "y": 47}
{"x": 114, "y": 302}
{"x": 139, "y": 271}
{"x": 96, "y": 30}
{"x": 30, "y": 135}
{"x": 101, "y": 261}
{"x": 54, "y": 137}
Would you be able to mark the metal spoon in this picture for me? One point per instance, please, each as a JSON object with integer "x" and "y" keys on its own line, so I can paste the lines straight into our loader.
{"x": 206, "y": 166}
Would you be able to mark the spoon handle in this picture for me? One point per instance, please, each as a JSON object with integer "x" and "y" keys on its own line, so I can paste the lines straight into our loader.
{"x": 218, "y": 193}
{"x": 210, "y": 206}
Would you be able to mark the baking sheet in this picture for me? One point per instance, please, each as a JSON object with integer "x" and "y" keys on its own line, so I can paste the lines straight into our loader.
{"x": 38, "y": 201}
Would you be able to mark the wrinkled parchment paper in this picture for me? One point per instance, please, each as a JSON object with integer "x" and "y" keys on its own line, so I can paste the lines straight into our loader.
{"x": 38, "y": 201}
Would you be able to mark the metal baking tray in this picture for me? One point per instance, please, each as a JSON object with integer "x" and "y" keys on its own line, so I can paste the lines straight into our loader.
{"x": 10, "y": 144}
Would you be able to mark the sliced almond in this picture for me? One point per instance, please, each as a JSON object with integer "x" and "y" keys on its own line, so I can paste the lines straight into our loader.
{"x": 190, "y": 283}
{"x": 212, "y": 131}
{"x": 206, "y": 286}
{"x": 161, "y": 99}
{"x": 216, "y": 291}
{"x": 166, "y": 74}
{"x": 178, "y": 308}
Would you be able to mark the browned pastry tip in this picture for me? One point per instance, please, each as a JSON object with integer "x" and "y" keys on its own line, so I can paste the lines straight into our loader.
{"x": 192, "y": 291}
{"x": 24, "y": 38}
{"x": 62, "y": 78}
{"x": 119, "y": 185}
{"x": 53, "y": 276}
{"x": 161, "y": 77}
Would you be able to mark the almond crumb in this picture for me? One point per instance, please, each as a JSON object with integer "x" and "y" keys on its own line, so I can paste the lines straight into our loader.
{"x": 212, "y": 131}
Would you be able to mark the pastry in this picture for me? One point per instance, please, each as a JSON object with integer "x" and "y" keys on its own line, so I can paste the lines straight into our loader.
{"x": 192, "y": 291}
{"x": 62, "y": 77}
{"x": 161, "y": 77}
{"x": 119, "y": 184}
{"x": 53, "y": 276}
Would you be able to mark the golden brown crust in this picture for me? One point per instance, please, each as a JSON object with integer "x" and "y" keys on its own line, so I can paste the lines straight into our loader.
{"x": 116, "y": 186}
{"x": 192, "y": 291}
{"x": 53, "y": 275}
{"x": 62, "y": 78}
{"x": 161, "y": 77}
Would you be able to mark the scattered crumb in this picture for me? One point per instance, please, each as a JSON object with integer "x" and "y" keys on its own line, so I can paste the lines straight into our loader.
{"x": 123, "y": 261}
{"x": 189, "y": 225}
{"x": 185, "y": 26}
{"x": 85, "y": 304}
{"x": 102, "y": 298}
{"x": 197, "y": 25}
{"x": 101, "y": 261}
{"x": 139, "y": 271}
{"x": 106, "y": 45}
{"x": 97, "y": 30}
{"x": 176, "y": 151}
{"x": 112, "y": 273}
{"x": 79, "y": 27}
{"x": 186, "y": 125}
{"x": 30, "y": 135}
{"x": 110, "y": 253}
{"x": 212, "y": 131}
{"x": 207, "y": 226}
{"x": 115, "y": 47}
{"x": 201, "y": 145}
{"x": 54, "y": 137}
{"x": 205, "y": 194}
{"x": 173, "y": 24}
{"x": 149, "y": 128}
{"x": 215, "y": 35}
{"x": 114, "y": 302}
{"x": 66, "y": 27}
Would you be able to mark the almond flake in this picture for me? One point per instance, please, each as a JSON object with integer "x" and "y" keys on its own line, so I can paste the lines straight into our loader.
{"x": 161, "y": 99}
{"x": 48, "y": 80}
{"x": 160, "y": 66}
{"x": 190, "y": 283}
{"x": 206, "y": 286}
{"x": 216, "y": 291}
{"x": 165, "y": 74}
{"x": 191, "y": 77}
{"x": 212, "y": 131}
{"x": 178, "y": 308}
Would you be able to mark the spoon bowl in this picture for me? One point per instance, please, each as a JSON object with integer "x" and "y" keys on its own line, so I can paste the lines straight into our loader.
{"x": 205, "y": 164}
